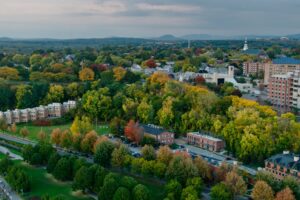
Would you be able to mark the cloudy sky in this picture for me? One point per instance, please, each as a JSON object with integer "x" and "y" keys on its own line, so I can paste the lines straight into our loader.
{"x": 146, "y": 18}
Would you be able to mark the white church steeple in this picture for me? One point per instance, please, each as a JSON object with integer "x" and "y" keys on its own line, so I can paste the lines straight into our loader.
{"x": 245, "y": 48}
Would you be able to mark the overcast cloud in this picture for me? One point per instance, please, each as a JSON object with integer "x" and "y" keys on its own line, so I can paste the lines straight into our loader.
{"x": 146, "y": 18}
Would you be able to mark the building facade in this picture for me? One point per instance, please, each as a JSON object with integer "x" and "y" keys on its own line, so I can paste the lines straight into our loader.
{"x": 282, "y": 165}
{"x": 284, "y": 90}
{"x": 280, "y": 66}
{"x": 159, "y": 134}
{"x": 252, "y": 68}
{"x": 205, "y": 141}
{"x": 39, "y": 113}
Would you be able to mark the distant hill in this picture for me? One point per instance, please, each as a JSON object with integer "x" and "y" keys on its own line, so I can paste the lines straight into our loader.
{"x": 167, "y": 37}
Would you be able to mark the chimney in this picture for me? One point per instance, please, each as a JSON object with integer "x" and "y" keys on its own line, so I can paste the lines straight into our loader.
{"x": 286, "y": 152}
{"x": 296, "y": 158}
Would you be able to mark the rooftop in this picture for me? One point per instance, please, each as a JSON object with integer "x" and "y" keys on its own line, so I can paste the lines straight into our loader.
{"x": 286, "y": 60}
{"x": 153, "y": 129}
{"x": 252, "y": 51}
{"x": 286, "y": 160}
{"x": 206, "y": 136}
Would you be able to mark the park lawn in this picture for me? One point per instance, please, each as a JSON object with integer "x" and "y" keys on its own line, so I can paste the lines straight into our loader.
{"x": 34, "y": 130}
{"x": 43, "y": 183}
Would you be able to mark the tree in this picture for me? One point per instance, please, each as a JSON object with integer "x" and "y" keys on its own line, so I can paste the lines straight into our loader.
{"x": 56, "y": 136}
{"x": 82, "y": 180}
{"x": 117, "y": 126}
{"x": 3, "y": 124}
{"x": 55, "y": 94}
{"x": 221, "y": 192}
{"x": 200, "y": 80}
{"x": 5, "y": 164}
{"x": 150, "y": 63}
{"x": 109, "y": 187}
{"x": 235, "y": 183}
{"x": 63, "y": 170}
{"x": 81, "y": 126}
{"x": 196, "y": 183}
{"x": 204, "y": 169}
{"x": 189, "y": 193}
{"x": 99, "y": 178}
{"x": 87, "y": 144}
{"x": 173, "y": 188}
{"x": 103, "y": 153}
{"x": 133, "y": 132}
{"x": 119, "y": 73}
{"x": 181, "y": 168}
{"x": 54, "y": 158}
{"x": 24, "y": 132}
{"x": 148, "y": 152}
{"x": 122, "y": 193}
{"x": 166, "y": 114}
{"x": 159, "y": 169}
{"x": 140, "y": 192}
{"x": 128, "y": 182}
{"x": 145, "y": 112}
{"x": 18, "y": 179}
{"x": 24, "y": 96}
{"x": 42, "y": 136}
{"x": 66, "y": 139}
{"x": 261, "y": 191}
{"x": 13, "y": 128}
{"x": 285, "y": 194}
{"x": 119, "y": 156}
{"x": 86, "y": 74}
{"x": 9, "y": 73}
{"x": 293, "y": 184}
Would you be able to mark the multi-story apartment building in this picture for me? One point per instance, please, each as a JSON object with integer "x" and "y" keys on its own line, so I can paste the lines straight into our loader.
{"x": 205, "y": 141}
{"x": 284, "y": 90}
{"x": 55, "y": 110}
{"x": 253, "y": 68}
{"x": 280, "y": 66}
{"x": 159, "y": 134}
{"x": 282, "y": 165}
{"x": 38, "y": 113}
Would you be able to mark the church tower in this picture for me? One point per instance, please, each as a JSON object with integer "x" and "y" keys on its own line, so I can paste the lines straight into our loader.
{"x": 245, "y": 48}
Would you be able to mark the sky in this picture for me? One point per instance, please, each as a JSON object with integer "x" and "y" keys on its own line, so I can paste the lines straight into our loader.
{"x": 146, "y": 18}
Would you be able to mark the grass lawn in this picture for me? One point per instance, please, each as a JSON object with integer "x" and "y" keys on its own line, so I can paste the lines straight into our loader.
{"x": 34, "y": 130}
{"x": 43, "y": 183}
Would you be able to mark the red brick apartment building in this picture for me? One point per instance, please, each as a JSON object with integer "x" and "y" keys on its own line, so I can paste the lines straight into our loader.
{"x": 205, "y": 141}
{"x": 282, "y": 165}
{"x": 158, "y": 133}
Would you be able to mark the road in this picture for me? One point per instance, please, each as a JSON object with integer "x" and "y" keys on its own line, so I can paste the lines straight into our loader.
{"x": 212, "y": 157}
{"x": 9, "y": 153}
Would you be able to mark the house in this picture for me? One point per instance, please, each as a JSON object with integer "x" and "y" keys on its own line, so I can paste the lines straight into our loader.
{"x": 205, "y": 141}
{"x": 158, "y": 133}
{"x": 282, "y": 165}
{"x": 8, "y": 117}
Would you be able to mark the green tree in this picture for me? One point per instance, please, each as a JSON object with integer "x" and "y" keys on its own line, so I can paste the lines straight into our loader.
{"x": 196, "y": 183}
{"x": 221, "y": 192}
{"x": 103, "y": 153}
{"x": 145, "y": 112}
{"x": 109, "y": 188}
{"x": 24, "y": 96}
{"x": 18, "y": 179}
{"x": 141, "y": 192}
{"x": 5, "y": 164}
{"x": 55, "y": 94}
{"x": 122, "y": 194}
{"x": 81, "y": 180}
{"x": 174, "y": 187}
{"x": 119, "y": 156}
{"x": 189, "y": 193}
{"x": 128, "y": 182}
{"x": 63, "y": 170}
{"x": 148, "y": 152}
{"x": 54, "y": 158}
{"x": 236, "y": 184}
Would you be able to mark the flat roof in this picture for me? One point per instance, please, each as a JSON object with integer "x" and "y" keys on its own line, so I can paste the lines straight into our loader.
{"x": 206, "y": 136}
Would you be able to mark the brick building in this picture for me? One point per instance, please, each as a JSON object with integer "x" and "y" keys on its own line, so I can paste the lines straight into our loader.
{"x": 280, "y": 66}
{"x": 159, "y": 134}
{"x": 253, "y": 68}
{"x": 282, "y": 165}
{"x": 205, "y": 141}
{"x": 284, "y": 90}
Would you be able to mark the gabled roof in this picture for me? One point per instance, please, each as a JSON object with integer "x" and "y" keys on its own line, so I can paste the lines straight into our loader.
{"x": 285, "y": 160}
{"x": 286, "y": 60}
{"x": 152, "y": 129}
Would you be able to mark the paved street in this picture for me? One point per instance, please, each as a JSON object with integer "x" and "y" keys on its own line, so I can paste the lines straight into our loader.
{"x": 11, "y": 155}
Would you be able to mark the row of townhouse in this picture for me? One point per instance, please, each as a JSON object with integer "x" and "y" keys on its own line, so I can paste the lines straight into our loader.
{"x": 53, "y": 110}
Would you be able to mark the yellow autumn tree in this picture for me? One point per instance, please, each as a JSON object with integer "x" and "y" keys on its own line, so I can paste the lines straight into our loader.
{"x": 86, "y": 74}
{"x": 119, "y": 73}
